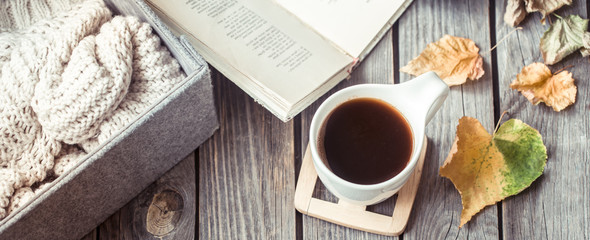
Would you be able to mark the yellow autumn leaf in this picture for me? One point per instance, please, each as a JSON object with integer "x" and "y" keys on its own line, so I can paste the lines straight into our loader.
{"x": 487, "y": 168}
{"x": 538, "y": 84}
{"x": 454, "y": 59}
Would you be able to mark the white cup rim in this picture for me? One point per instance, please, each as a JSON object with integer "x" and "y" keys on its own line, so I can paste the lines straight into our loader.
{"x": 315, "y": 126}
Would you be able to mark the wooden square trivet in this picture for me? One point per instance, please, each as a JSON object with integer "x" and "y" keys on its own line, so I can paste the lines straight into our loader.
{"x": 356, "y": 216}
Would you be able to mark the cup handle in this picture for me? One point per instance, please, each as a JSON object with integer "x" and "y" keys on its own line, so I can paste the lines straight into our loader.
{"x": 429, "y": 91}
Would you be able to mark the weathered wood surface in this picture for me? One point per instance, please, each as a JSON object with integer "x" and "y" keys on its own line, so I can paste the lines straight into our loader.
{"x": 247, "y": 171}
{"x": 164, "y": 210}
{"x": 438, "y": 205}
{"x": 557, "y": 205}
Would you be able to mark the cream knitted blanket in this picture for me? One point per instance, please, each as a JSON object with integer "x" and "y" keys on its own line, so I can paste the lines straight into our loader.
{"x": 70, "y": 77}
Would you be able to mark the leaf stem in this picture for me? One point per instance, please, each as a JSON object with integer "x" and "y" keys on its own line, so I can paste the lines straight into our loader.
{"x": 499, "y": 121}
{"x": 504, "y": 38}
{"x": 563, "y": 68}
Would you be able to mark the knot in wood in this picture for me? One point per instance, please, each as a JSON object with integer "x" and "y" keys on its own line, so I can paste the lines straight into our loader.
{"x": 164, "y": 212}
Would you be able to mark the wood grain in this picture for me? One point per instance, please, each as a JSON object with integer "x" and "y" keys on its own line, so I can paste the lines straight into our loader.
{"x": 92, "y": 235}
{"x": 164, "y": 210}
{"x": 438, "y": 205}
{"x": 376, "y": 68}
{"x": 557, "y": 205}
{"x": 110, "y": 229}
{"x": 246, "y": 171}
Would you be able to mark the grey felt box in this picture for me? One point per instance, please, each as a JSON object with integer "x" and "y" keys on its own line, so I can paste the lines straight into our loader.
{"x": 108, "y": 178}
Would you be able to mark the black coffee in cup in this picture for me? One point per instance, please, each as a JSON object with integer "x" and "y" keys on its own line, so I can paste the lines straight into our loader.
{"x": 365, "y": 141}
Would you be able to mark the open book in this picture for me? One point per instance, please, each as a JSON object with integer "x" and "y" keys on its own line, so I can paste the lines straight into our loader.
{"x": 283, "y": 53}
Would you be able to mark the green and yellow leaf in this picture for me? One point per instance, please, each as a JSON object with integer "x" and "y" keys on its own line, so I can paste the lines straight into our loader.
{"x": 488, "y": 168}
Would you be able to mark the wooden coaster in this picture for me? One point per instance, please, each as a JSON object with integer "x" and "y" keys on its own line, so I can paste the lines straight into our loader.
{"x": 356, "y": 216}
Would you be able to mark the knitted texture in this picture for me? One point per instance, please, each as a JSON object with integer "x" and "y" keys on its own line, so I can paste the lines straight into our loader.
{"x": 67, "y": 158}
{"x": 155, "y": 72}
{"x": 22, "y": 14}
{"x": 71, "y": 77}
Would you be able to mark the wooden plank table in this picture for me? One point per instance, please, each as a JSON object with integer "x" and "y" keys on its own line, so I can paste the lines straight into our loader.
{"x": 246, "y": 173}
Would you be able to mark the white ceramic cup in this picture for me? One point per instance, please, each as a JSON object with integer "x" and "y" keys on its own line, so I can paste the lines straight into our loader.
{"x": 417, "y": 100}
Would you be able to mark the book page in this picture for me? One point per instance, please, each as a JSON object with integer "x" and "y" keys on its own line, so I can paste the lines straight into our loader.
{"x": 350, "y": 24}
{"x": 262, "y": 41}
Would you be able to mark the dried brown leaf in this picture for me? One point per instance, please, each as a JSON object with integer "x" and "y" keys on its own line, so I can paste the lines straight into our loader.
{"x": 538, "y": 84}
{"x": 515, "y": 12}
{"x": 454, "y": 59}
{"x": 545, "y": 7}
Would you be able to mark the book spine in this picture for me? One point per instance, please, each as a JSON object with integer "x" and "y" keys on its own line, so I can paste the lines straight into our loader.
{"x": 353, "y": 65}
